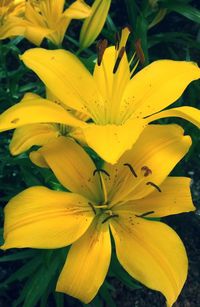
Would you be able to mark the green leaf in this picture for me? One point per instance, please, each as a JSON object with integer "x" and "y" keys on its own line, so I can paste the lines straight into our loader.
{"x": 183, "y": 9}
{"x": 18, "y": 256}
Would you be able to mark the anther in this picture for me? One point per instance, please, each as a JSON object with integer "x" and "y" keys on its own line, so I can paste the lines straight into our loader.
{"x": 139, "y": 51}
{"x": 145, "y": 214}
{"x": 101, "y": 47}
{"x": 147, "y": 171}
{"x": 110, "y": 217}
{"x": 154, "y": 185}
{"x": 93, "y": 209}
{"x": 119, "y": 58}
{"x": 131, "y": 169}
{"x": 100, "y": 170}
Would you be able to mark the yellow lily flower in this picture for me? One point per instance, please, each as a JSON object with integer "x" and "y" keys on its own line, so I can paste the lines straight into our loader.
{"x": 45, "y": 18}
{"x": 119, "y": 198}
{"x": 119, "y": 106}
{"x": 11, "y": 12}
{"x": 40, "y": 133}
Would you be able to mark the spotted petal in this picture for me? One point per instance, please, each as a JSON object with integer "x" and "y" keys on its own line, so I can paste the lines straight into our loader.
{"x": 87, "y": 264}
{"x": 154, "y": 155}
{"x": 42, "y": 218}
{"x": 160, "y": 264}
{"x": 71, "y": 165}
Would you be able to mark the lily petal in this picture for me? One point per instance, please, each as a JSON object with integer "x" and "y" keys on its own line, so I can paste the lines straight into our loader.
{"x": 156, "y": 144}
{"x": 72, "y": 166}
{"x": 175, "y": 198}
{"x": 111, "y": 141}
{"x": 87, "y": 264}
{"x": 160, "y": 264}
{"x": 189, "y": 113}
{"x": 157, "y": 86}
{"x": 29, "y": 135}
{"x": 36, "y": 34}
{"x": 75, "y": 86}
{"x": 42, "y": 218}
{"x": 77, "y": 10}
{"x": 34, "y": 109}
{"x": 13, "y": 26}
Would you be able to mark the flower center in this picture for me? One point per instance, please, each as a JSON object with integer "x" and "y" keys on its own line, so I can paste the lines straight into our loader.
{"x": 103, "y": 211}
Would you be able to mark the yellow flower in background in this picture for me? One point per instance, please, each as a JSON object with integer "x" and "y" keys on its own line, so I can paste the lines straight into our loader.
{"x": 120, "y": 106}
{"x": 39, "y": 19}
{"x": 39, "y": 133}
{"x": 11, "y": 13}
{"x": 120, "y": 198}
{"x": 47, "y": 18}
{"x": 93, "y": 25}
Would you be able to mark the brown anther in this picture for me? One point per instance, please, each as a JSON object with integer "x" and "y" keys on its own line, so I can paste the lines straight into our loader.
{"x": 154, "y": 185}
{"x": 93, "y": 209}
{"x": 131, "y": 169}
{"x": 100, "y": 170}
{"x": 139, "y": 51}
{"x": 145, "y": 214}
{"x": 110, "y": 217}
{"x": 147, "y": 171}
{"x": 101, "y": 47}
{"x": 119, "y": 58}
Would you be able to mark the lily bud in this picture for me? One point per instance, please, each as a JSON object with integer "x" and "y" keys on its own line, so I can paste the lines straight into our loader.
{"x": 93, "y": 25}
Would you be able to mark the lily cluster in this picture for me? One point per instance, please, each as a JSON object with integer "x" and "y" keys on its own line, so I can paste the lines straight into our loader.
{"x": 110, "y": 111}
{"x": 37, "y": 19}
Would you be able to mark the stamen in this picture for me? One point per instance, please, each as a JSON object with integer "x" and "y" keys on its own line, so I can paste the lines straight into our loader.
{"x": 102, "y": 181}
{"x": 134, "y": 68}
{"x": 131, "y": 169}
{"x": 145, "y": 214}
{"x": 117, "y": 40}
{"x": 110, "y": 217}
{"x": 93, "y": 209}
{"x": 139, "y": 51}
{"x": 147, "y": 171}
{"x": 154, "y": 185}
{"x": 100, "y": 206}
{"x": 101, "y": 47}
{"x": 100, "y": 170}
{"x": 119, "y": 58}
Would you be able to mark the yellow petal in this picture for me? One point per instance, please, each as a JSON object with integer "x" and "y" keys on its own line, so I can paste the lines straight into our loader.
{"x": 37, "y": 158}
{"x": 158, "y": 85}
{"x": 29, "y": 135}
{"x": 111, "y": 141}
{"x": 34, "y": 109}
{"x": 188, "y": 113}
{"x": 93, "y": 25}
{"x": 175, "y": 198}
{"x": 42, "y": 218}
{"x": 159, "y": 148}
{"x": 36, "y": 34}
{"x": 72, "y": 166}
{"x": 66, "y": 77}
{"x": 78, "y": 10}
{"x": 152, "y": 253}
{"x": 87, "y": 264}
{"x": 13, "y": 26}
